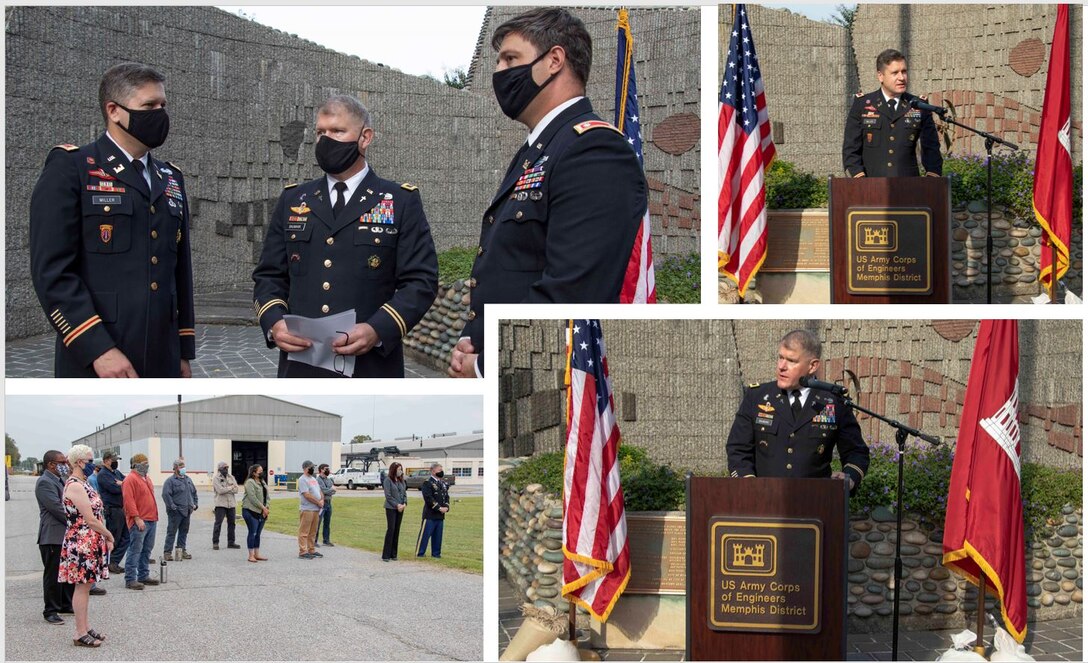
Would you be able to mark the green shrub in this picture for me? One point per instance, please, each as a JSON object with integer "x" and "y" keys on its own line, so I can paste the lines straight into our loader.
{"x": 790, "y": 188}
{"x": 1012, "y": 180}
{"x": 677, "y": 279}
{"x": 455, "y": 264}
{"x": 647, "y": 486}
{"x": 926, "y": 471}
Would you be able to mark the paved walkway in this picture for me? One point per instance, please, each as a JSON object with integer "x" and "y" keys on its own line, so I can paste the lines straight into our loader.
{"x": 223, "y": 351}
{"x": 1058, "y": 640}
{"x": 348, "y": 606}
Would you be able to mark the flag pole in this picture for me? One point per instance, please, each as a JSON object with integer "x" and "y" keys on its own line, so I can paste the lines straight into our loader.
{"x": 980, "y": 646}
{"x": 572, "y": 616}
{"x": 1052, "y": 287}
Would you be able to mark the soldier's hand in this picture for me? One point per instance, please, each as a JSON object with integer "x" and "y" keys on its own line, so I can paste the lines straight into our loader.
{"x": 287, "y": 341}
{"x": 861, "y": 174}
{"x": 843, "y": 475}
{"x": 462, "y": 360}
{"x": 932, "y": 175}
{"x": 360, "y": 340}
{"x": 114, "y": 364}
{"x": 186, "y": 372}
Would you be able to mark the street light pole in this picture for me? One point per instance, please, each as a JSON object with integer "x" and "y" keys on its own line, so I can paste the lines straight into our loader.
{"x": 181, "y": 453}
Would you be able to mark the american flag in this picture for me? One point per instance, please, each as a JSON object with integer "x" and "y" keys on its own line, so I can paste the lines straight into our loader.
{"x": 638, "y": 281}
{"x": 745, "y": 151}
{"x": 596, "y": 565}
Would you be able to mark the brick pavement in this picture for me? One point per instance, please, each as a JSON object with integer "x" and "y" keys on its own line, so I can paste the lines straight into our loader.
{"x": 223, "y": 351}
{"x": 1057, "y": 640}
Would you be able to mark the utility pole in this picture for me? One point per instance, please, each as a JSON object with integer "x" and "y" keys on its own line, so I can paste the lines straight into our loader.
{"x": 181, "y": 452}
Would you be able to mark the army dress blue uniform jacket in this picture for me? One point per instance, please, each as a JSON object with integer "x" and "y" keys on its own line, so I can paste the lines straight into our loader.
{"x": 562, "y": 224}
{"x": 435, "y": 494}
{"x": 881, "y": 143}
{"x": 376, "y": 257}
{"x": 110, "y": 260}
{"x": 766, "y": 441}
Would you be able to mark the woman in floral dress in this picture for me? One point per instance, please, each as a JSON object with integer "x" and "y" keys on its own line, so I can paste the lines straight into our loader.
{"x": 87, "y": 542}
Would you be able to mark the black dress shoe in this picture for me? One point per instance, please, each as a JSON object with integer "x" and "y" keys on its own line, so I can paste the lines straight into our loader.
{"x": 326, "y": 543}
{"x": 233, "y": 545}
{"x": 55, "y": 620}
{"x": 97, "y": 591}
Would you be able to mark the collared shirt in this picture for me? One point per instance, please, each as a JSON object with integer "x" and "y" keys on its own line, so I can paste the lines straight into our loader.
{"x": 546, "y": 120}
{"x": 352, "y": 182}
{"x": 888, "y": 100}
{"x": 143, "y": 160}
{"x": 804, "y": 395}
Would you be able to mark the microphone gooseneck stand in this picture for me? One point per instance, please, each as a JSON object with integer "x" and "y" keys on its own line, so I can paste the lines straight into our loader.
{"x": 991, "y": 140}
{"x": 902, "y": 432}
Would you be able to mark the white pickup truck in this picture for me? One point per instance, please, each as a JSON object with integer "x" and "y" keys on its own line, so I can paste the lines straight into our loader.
{"x": 355, "y": 478}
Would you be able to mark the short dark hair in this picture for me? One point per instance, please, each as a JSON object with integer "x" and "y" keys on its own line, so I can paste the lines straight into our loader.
{"x": 552, "y": 26}
{"x": 322, "y": 466}
{"x": 121, "y": 80}
{"x": 804, "y": 339}
{"x": 886, "y": 57}
{"x": 51, "y": 457}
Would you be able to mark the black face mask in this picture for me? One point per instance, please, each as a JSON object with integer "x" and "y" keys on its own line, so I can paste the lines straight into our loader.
{"x": 515, "y": 88}
{"x": 223, "y": 471}
{"x": 150, "y": 127}
{"x": 440, "y": 474}
{"x": 113, "y": 465}
{"x": 335, "y": 156}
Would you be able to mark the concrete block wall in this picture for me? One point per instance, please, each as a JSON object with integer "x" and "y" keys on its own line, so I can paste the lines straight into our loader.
{"x": 678, "y": 383}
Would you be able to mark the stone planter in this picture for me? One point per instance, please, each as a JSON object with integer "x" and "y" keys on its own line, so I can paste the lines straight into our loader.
{"x": 432, "y": 340}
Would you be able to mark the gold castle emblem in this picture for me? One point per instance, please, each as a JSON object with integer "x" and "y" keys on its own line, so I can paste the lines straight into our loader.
{"x": 748, "y": 556}
{"x": 876, "y": 236}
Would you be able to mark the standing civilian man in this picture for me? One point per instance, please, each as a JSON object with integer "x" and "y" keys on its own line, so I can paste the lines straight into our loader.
{"x": 225, "y": 487}
{"x": 141, "y": 516}
{"x": 310, "y": 502}
{"x": 110, "y": 480}
{"x": 327, "y": 490}
{"x": 52, "y": 524}
{"x": 179, "y": 498}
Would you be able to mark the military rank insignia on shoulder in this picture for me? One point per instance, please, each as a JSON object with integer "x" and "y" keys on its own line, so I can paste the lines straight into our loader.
{"x": 67, "y": 146}
{"x": 859, "y": 95}
{"x": 290, "y": 186}
{"x": 753, "y": 385}
{"x": 409, "y": 187}
{"x": 174, "y": 166}
{"x": 583, "y": 127}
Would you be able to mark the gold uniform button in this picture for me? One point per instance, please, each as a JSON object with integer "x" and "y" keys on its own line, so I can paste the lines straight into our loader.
{"x": 154, "y": 285}
{"x": 152, "y": 209}
{"x": 891, "y": 151}
{"x": 377, "y": 240}
{"x": 491, "y": 219}
{"x": 328, "y": 263}
{"x": 325, "y": 308}
{"x": 889, "y": 164}
{"x": 790, "y": 450}
{"x": 154, "y": 234}
{"x": 891, "y": 138}
{"x": 325, "y": 285}
{"x": 518, "y": 215}
{"x": 480, "y": 251}
{"x": 329, "y": 241}
{"x": 789, "y": 466}
{"x": 791, "y": 434}
{"x": 472, "y": 315}
{"x": 293, "y": 235}
{"x": 106, "y": 208}
{"x": 154, "y": 260}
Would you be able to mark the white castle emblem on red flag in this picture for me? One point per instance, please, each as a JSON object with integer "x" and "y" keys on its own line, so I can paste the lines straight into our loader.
{"x": 1004, "y": 427}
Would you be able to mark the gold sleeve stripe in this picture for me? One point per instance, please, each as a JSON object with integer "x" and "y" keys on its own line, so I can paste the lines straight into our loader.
{"x": 856, "y": 469}
{"x": 55, "y": 315}
{"x": 186, "y": 332}
{"x": 78, "y": 331}
{"x": 396, "y": 318}
{"x": 269, "y": 305}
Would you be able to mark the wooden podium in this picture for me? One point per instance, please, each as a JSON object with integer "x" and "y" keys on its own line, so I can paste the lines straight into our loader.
{"x": 890, "y": 240}
{"x": 766, "y": 576}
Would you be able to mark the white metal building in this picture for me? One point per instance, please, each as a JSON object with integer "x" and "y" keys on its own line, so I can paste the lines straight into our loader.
{"x": 460, "y": 455}
{"x": 241, "y": 430}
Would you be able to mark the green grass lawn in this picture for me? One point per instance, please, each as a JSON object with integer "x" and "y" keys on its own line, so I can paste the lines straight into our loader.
{"x": 360, "y": 523}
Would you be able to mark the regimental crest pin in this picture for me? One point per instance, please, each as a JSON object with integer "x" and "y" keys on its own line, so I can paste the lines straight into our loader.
{"x": 374, "y": 262}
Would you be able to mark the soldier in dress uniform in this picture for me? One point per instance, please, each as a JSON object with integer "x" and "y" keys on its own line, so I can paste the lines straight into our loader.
{"x": 563, "y": 222}
{"x": 882, "y": 130}
{"x": 347, "y": 240}
{"x": 785, "y": 430}
{"x": 109, "y": 241}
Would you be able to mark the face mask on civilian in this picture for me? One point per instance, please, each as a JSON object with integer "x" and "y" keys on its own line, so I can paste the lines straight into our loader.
{"x": 223, "y": 471}
{"x": 88, "y": 468}
{"x": 63, "y": 471}
{"x": 181, "y": 471}
{"x": 141, "y": 468}
{"x": 113, "y": 465}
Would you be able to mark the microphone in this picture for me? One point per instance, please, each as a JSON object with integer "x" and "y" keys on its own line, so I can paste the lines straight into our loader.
{"x": 918, "y": 104}
{"x": 813, "y": 383}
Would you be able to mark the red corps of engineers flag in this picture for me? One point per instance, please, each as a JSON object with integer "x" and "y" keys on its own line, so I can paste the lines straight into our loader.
{"x": 596, "y": 564}
{"x": 1052, "y": 190}
{"x": 984, "y": 522}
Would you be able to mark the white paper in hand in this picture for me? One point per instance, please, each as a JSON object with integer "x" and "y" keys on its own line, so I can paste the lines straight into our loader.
{"x": 321, "y": 332}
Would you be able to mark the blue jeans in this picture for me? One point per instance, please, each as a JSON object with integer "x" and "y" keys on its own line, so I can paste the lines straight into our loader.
{"x": 139, "y": 551}
{"x": 432, "y": 530}
{"x": 326, "y": 518}
{"x": 254, "y": 523}
{"x": 176, "y": 523}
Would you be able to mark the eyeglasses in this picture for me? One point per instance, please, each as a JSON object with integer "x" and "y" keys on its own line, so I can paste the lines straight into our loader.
{"x": 342, "y": 359}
